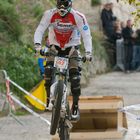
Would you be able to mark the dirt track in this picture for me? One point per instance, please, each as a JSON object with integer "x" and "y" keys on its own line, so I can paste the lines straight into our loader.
{"x": 126, "y": 85}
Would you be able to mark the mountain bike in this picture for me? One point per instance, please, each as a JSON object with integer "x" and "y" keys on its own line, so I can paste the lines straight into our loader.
{"x": 61, "y": 114}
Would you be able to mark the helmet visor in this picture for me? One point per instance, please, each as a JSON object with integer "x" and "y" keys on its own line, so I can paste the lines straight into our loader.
{"x": 62, "y": 4}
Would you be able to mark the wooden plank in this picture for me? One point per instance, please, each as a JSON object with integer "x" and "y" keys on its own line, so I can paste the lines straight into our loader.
{"x": 99, "y": 105}
{"x": 96, "y": 135}
{"x": 125, "y": 121}
{"x": 98, "y": 97}
{"x": 91, "y": 102}
{"x": 107, "y": 105}
{"x": 120, "y": 120}
{"x": 93, "y": 135}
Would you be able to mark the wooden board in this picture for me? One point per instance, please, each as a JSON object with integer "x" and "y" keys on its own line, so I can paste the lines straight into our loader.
{"x": 110, "y": 134}
{"x": 99, "y": 102}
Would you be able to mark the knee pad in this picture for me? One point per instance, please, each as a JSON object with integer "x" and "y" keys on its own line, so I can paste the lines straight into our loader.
{"x": 75, "y": 82}
{"x": 48, "y": 74}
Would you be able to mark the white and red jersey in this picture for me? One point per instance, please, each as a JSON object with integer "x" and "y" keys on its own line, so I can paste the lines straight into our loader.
{"x": 64, "y": 31}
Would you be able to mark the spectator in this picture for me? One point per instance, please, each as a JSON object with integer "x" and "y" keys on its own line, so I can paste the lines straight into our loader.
{"x": 116, "y": 38}
{"x": 108, "y": 19}
{"x": 123, "y": 24}
{"x": 136, "y": 52}
{"x": 127, "y": 33}
{"x": 117, "y": 35}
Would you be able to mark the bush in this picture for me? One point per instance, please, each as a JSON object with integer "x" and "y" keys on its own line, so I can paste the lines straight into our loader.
{"x": 95, "y": 2}
{"x": 20, "y": 65}
{"x": 15, "y": 56}
{"x": 9, "y": 21}
{"x": 38, "y": 10}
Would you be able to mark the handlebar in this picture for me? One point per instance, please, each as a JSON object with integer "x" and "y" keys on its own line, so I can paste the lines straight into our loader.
{"x": 47, "y": 54}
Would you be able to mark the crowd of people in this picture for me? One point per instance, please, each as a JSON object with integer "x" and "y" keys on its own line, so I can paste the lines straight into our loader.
{"x": 116, "y": 30}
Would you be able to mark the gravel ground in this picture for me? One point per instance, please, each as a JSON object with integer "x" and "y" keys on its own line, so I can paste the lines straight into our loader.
{"x": 126, "y": 85}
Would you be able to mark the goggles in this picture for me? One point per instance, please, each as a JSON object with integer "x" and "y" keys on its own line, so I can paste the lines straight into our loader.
{"x": 63, "y": 4}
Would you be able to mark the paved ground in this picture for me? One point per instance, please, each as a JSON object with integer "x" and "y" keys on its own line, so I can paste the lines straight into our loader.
{"x": 126, "y": 85}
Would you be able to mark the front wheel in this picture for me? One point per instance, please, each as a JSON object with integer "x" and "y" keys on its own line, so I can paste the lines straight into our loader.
{"x": 64, "y": 133}
{"x": 57, "y": 107}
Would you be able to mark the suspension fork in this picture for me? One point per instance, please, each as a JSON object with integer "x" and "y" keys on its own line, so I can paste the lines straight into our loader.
{"x": 64, "y": 96}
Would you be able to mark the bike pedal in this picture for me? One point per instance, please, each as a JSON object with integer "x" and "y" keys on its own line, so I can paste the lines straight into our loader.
{"x": 74, "y": 120}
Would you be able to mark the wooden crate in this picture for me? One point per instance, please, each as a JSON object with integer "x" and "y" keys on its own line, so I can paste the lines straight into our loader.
{"x": 100, "y": 119}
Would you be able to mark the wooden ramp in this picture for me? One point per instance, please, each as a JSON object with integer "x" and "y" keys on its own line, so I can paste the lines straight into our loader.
{"x": 100, "y": 119}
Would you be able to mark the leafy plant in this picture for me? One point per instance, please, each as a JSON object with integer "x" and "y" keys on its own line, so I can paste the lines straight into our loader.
{"x": 9, "y": 21}
{"x": 38, "y": 10}
{"x": 95, "y": 2}
{"x": 20, "y": 64}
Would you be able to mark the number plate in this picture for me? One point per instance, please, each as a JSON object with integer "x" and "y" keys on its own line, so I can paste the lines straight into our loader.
{"x": 61, "y": 62}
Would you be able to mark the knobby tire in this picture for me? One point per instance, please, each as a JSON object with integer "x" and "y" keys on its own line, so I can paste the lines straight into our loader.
{"x": 57, "y": 107}
{"x": 64, "y": 131}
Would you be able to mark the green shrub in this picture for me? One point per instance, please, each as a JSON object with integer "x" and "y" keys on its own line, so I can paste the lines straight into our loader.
{"x": 95, "y": 2}
{"x": 20, "y": 65}
{"x": 9, "y": 21}
{"x": 99, "y": 48}
{"x": 38, "y": 10}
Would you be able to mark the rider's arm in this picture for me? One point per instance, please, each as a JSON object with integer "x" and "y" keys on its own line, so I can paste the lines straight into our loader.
{"x": 85, "y": 31}
{"x": 44, "y": 23}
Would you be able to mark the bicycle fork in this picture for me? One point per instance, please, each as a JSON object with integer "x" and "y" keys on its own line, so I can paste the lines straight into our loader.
{"x": 64, "y": 114}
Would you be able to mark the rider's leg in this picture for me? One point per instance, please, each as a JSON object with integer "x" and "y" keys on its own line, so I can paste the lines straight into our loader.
{"x": 49, "y": 72}
{"x": 48, "y": 79}
{"x": 75, "y": 85}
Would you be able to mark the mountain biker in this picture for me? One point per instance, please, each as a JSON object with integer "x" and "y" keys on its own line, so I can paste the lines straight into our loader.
{"x": 65, "y": 28}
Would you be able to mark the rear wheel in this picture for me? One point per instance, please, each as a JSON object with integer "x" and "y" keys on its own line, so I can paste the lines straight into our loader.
{"x": 57, "y": 107}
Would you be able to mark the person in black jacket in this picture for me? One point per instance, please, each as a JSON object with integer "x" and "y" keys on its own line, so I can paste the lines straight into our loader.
{"x": 108, "y": 19}
{"x": 127, "y": 33}
{"x": 117, "y": 34}
{"x": 136, "y": 52}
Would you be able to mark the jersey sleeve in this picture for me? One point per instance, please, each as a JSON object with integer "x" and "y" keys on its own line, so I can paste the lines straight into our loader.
{"x": 44, "y": 23}
{"x": 84, "y": 30}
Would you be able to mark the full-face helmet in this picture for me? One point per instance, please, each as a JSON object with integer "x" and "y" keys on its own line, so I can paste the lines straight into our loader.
{"x": 64, "y": 7}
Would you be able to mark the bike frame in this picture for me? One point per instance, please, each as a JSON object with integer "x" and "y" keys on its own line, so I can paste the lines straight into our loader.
{"x": 60, "y": 74}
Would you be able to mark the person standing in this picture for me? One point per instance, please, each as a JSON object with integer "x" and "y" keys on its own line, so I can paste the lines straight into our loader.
{"x": 108, "y": 19}
{"x": 136, "y": 52}
{"x": 127, "y": 33}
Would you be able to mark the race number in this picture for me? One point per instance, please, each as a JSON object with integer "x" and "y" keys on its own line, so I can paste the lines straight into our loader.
{"x": 61, "y": 62}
